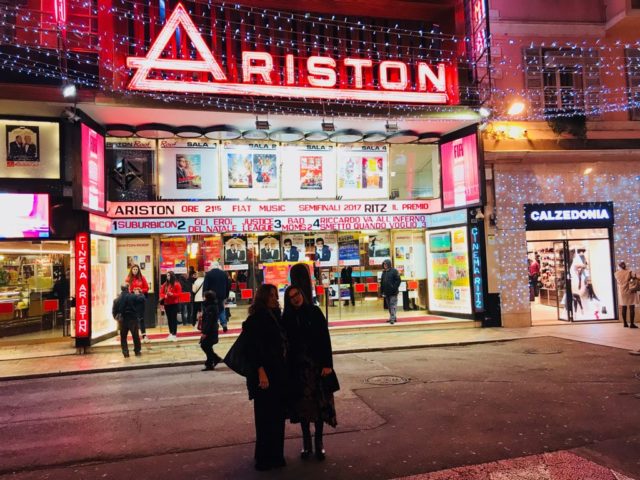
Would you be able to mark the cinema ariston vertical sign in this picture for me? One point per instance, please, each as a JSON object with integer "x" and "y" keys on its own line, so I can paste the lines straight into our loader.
{"x": 288, "y": 75}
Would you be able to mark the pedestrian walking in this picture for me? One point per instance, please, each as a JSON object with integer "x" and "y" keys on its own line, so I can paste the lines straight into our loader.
{"x": 170, "y": 298}
{"x": 125, "y": 310}
{"x": 209, "y": 335}
{"x": 346, "y": 277}
{"x": 183, "y": 307}
{"x": 389, "y": 285}
{"x": 267, "y": 380}
{"x": 197, "y": 298}
{"x": 626, "y": 295}
{"x": 138, "y": 284}
{"x": 312, "y": 379}
{"x": 218, "y": 281}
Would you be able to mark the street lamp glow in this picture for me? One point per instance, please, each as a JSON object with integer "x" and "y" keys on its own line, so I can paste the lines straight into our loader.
{"x": 516, "y": 108}
{"x": 484, "y": 112}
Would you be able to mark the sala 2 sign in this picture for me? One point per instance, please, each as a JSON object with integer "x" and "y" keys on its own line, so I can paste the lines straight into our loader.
{"x": 259, "y": 74}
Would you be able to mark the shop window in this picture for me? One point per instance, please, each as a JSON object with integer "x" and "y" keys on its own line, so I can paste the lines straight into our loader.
{"x": 632, "y": 64}
{"x": 414, "y": 172}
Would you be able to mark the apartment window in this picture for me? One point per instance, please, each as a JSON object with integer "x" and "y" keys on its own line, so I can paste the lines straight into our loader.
{"x": 563, "y": 80}
{"x": 632, "y": 56}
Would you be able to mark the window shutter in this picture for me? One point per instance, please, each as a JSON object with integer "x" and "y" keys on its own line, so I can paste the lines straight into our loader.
{"x": 591, "y": 81}
{"x": 533, "y": 81}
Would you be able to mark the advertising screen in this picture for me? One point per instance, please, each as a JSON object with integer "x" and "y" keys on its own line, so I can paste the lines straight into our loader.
{"x": 460, "y": 172}
{"x": 440, "y": 242}
{"x": 26, "y": 217}
{"x": 92, "y": 169}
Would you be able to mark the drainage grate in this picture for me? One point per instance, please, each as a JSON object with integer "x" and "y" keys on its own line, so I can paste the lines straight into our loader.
{"x": 387, "y": 380}
{"x": 537, "y": 351}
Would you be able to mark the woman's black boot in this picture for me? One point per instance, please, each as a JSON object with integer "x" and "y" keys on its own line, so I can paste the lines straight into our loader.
{"x": 306, "y": 442}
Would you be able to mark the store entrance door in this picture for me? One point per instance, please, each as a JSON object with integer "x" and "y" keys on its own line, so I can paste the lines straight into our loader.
{"x": 575, "y": 281}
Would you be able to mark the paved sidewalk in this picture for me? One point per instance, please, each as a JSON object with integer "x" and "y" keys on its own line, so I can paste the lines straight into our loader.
{"x": 187, "y": 352}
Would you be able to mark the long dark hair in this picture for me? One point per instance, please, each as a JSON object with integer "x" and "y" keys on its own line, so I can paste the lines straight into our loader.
{"x": 171, "y": 278}
{"x": 261, "y": 300}
{"x": 301, "y": 278}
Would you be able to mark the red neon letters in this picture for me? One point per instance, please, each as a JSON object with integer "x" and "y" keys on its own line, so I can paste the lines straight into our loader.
{"x": 83, "y": 297}
{"x": 260, "y": 75}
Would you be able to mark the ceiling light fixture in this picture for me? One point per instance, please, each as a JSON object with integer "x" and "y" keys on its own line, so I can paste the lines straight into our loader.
{"x": 222, "y": 132}
{"x": 349, "y": 135}
{"x": 288, "y": 134}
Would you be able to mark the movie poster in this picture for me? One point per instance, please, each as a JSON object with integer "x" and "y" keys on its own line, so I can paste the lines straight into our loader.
{"x": 409, "y": 256}
{"x": 235, "y": 252}
{"x": 240, "y": 170}
{"x": 173, "y": 255}
{"x": 348, "y": 249}
{"x": 309, "y": 170}
{"x": 311, "y": 173}
{"x": 362, "y": 171}
{"x": 212, "y": 251}
{"x": 23, "y": 146}
{"x": 293, "y": 248}
{"x": 188, "y": 171}
{"x": 269, "y": 246}
{"x": 323, "y": 249}
{"x": 251, "y": 171}
{"x": 379, "y": 248}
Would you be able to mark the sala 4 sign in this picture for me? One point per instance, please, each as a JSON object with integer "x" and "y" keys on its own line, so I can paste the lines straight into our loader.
{"x": 263, "y": 76}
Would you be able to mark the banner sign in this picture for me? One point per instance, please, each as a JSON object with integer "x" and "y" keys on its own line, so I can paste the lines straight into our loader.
{"x": 288, "y": 75}
{"x": 476, "y": 234}
{"x": 460, "y": 172}
{"x": 556, "y": 216}
{"x": 275, "y": 209}
{"x": 140, "y": 226}
{"x": 83, "y": 298}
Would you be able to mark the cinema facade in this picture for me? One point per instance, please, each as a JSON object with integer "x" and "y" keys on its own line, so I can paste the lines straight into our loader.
{"x": 258, "y": 147}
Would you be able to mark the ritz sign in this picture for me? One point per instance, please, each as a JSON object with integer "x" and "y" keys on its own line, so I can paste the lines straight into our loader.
{"x": 264, "y": 75}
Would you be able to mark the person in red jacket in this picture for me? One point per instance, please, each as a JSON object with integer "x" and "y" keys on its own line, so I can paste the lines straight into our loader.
{"x": 138, "y": 285}
{"x": 170, "y": 297}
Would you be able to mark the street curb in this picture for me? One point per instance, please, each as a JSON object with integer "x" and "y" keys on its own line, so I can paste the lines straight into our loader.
{"x": 199, "y": 362}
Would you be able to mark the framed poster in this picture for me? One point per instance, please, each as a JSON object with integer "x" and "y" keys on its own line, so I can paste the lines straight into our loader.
{"x": 293, "y": 249}
{"x": 235, "y": 252}
{"x": 188, "y": 169}
{"x": 379, "y": 248}
{"x": 212, "y": 251}
{"x": 309, "y": 171}
{"x": 362, "y": 171}
{"x": 250, "y": 170}
{"x": 173, "y": 255}
{"x": 348, "y": 249}
{"x": 409, "y": 254}
{"x": 93, "y": 184}
{"x": 29, "y": 149}
{"x": 269, "y": 247}
{"x": 323, "y": 249}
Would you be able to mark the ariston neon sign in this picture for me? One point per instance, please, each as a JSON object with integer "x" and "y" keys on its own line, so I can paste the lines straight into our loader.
{"x": 260, "y": 75}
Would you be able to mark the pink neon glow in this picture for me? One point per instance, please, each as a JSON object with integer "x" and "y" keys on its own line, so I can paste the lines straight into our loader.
{"x": 358, "y": 64}
{"x": 321, "y": 73}
{"x": 83, "y": 303}
{"x": 60, "y": 9}
{"x": 323, "y": 67}
{"x": 460, "y": 184}
{"x": 249, "y": 68}
{"x": 26, "y": 217}
{"x": 92, "y": 169}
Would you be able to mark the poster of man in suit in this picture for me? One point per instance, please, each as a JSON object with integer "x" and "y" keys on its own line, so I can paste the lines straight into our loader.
{"x": 293, "y": 249}
{"x": 235, "y": 252}
{"x": 269, "y": 248}
{"x": 22, "y": 145}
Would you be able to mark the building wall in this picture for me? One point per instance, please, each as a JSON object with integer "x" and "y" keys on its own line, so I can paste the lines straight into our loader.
{"x": 561, "y": 182}
{"x": 573, "y": 11}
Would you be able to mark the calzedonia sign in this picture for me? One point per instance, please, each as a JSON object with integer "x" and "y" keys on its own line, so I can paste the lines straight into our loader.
{"x": 292, "y": 76}
{"x": 554, "y": 216}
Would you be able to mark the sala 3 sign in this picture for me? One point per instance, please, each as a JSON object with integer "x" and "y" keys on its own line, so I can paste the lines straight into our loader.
{"x": 260, "y": 76}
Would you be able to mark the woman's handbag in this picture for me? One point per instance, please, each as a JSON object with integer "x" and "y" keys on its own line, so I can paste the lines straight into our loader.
{"x": 330, "y": 382}
{"x": 634, "y": 285}
{"x": 237, "y": 356}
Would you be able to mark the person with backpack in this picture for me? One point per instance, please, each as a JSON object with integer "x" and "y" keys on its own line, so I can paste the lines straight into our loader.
{"x": 125, "y": 309}
{"x": 209, "y": 329}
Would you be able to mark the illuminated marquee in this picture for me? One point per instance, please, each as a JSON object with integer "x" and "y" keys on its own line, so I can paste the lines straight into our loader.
{"x": 83, "y": 285}
{"x": 260, "y": 74}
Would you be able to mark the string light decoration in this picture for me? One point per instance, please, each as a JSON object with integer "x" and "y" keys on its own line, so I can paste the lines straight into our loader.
{"x": 516, "y": 185}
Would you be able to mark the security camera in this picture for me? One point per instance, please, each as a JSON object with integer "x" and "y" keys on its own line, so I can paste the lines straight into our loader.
{"x": 70, "y": 115}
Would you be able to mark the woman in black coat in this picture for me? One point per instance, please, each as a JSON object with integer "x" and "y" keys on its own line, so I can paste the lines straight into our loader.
{"x": 312, "y": 379}
{"x": 267, "y": 384}
{"x": 209, "y": 336}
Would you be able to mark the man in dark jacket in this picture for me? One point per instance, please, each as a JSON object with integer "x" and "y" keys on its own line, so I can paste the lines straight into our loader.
{"x": 218, "y": 281}
{"x": 209, "y": 335}
{"x": 125, "y": 310}
{"x": 389, "y": 285}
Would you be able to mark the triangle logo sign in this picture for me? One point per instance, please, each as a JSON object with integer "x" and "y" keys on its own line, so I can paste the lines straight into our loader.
{"x": 144, "y": 65}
